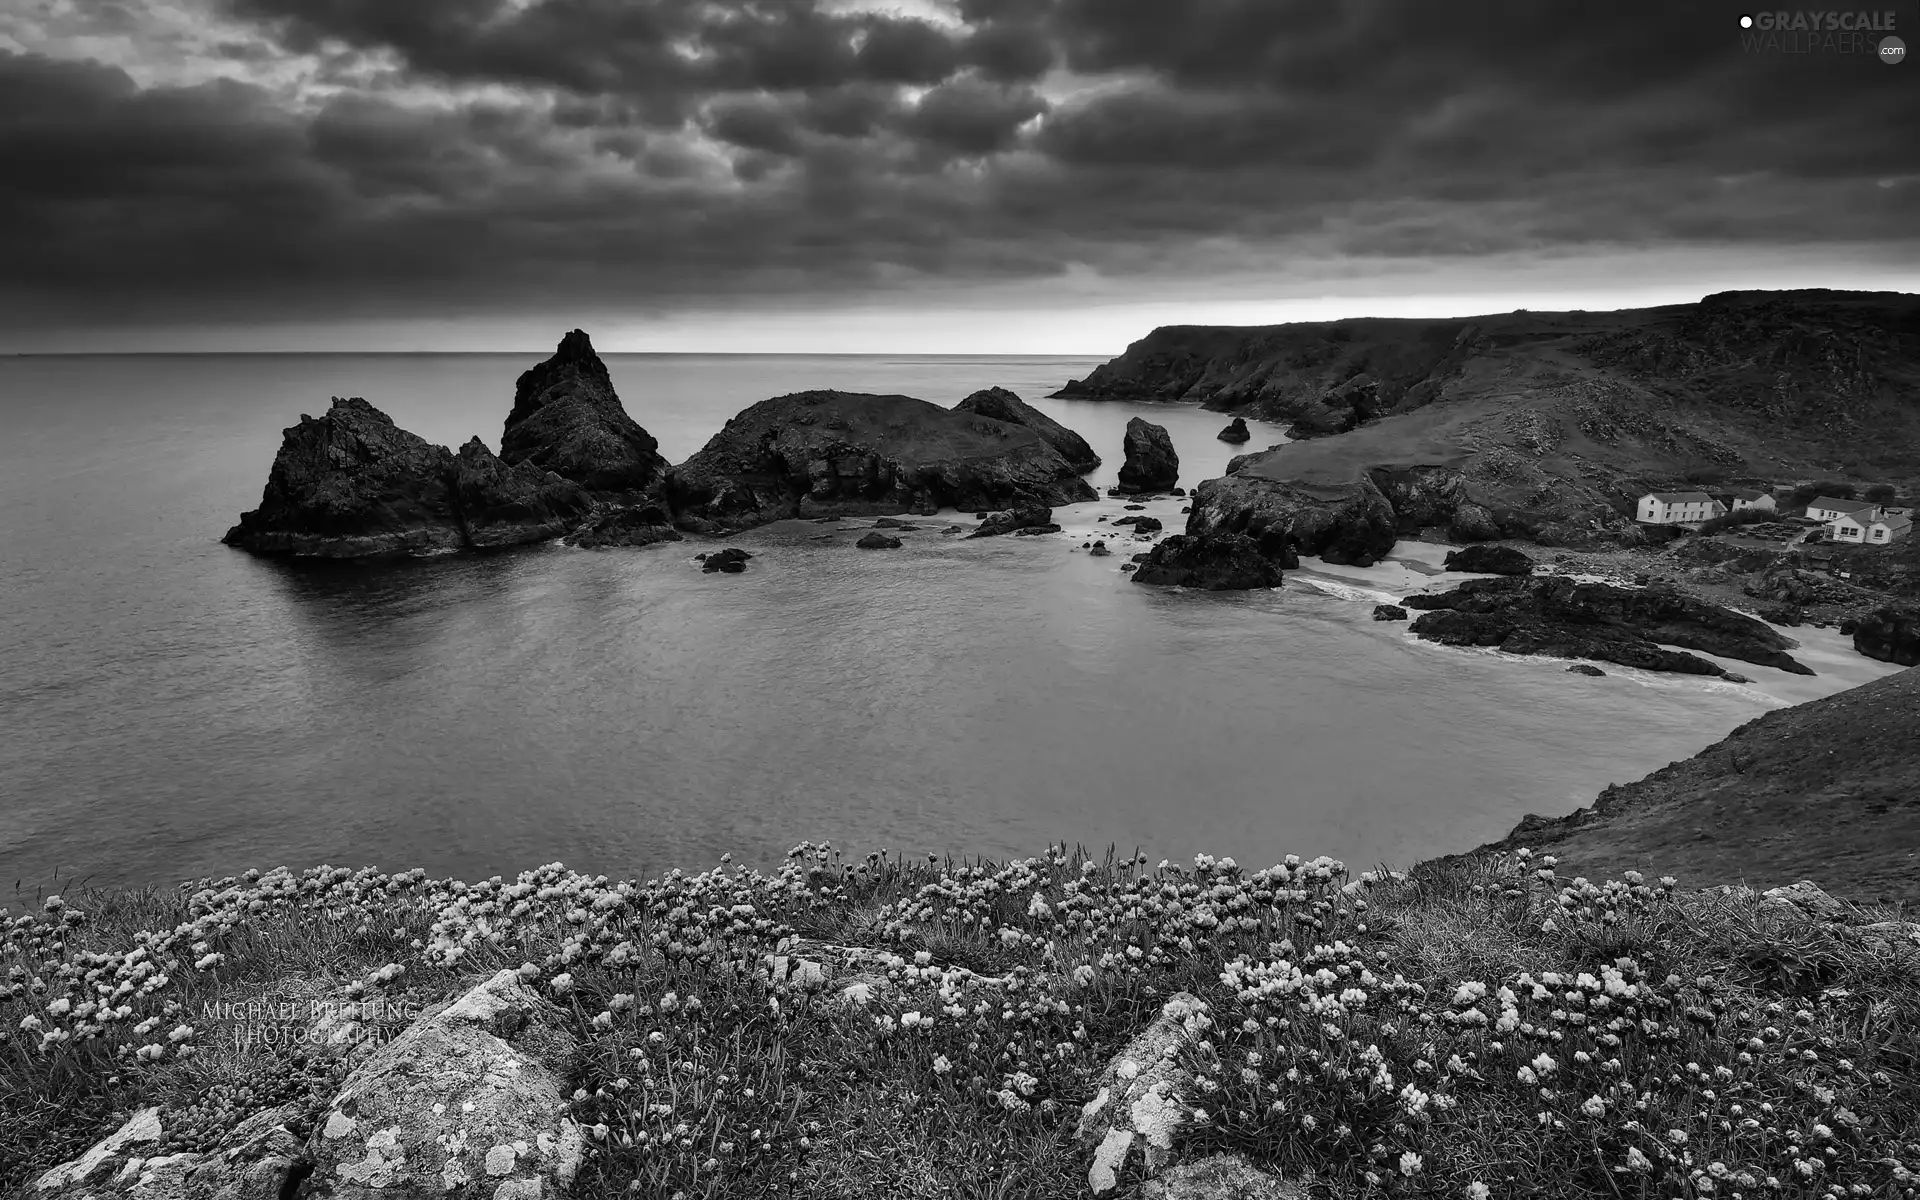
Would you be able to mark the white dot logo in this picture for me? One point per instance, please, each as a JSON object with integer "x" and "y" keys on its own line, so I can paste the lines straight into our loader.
{"x": 1892, "y": 50}
{"x": 1746, "y": 22}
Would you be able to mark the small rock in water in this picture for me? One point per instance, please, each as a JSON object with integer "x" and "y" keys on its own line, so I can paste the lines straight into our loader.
{"x": 879, "y": 541}
{"x": 1036, "y": 530}
{"x": 1135, "y": 507}
{"x": 1129, "y": 566}
{"x": 1389, "y": 612}
{"x": 1186, "y": 508}
{"x": 1179, "y": 491}
{"x": 732, "y": 560}
{"x": 1585, "y": 669}
{"x": 1100, "y": 549}
{"x": 1735, "y": 677}
{"x": 886, "y": 523}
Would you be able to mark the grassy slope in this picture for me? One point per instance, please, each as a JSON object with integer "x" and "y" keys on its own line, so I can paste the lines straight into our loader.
{"x": 1828, "y": 790}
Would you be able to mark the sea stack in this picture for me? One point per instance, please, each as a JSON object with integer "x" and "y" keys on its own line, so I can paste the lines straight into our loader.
{"x": 567, "y": 419}
{"x": 1236, "y": 432}
{"x": 1003, "y": 405}
{"x": 1151, "y": 464}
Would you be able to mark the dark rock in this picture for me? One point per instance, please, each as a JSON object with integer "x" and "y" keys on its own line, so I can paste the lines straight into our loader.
{"x": 732, "y": 560}
{"x": 1585, "y": 669}
{"x": 879, "y": 541}
{"x": 1732, "y": 677}
{"x": 352, "y": 484}
{"x": 1890, "y": 634}
{"x": 1026, "y": 516}
{"x": 1220, "y": 562}
{"x": 1555, "y": 616}
{"x": 1135, "y": 507}
{"x": 1142, "y": 524}
{"x": 641, "y": 526}
{"x": 1100, "y": 550}
{"x": 1179, "y": 491}
{"x": 567, "y": 419}
{"x": 1036, "y": 530}
{"x": 1102, "y": 518}
{"x": 1236, "y": 432}
{"x": 1003, "y": 405}
{"x": 1847, "y": 627}
{"x": 1151, "y": 464}
{"x": 1114, "y": 491}
{"x": 1472, "y": 523}
{"x": 826, "y": 520}
{"x": 906, "y": 527}
{"x": 1141, "y": 557}
{"x": 1352, "y": 525}
{"x": 1489, "y": 560}
{"x": 1389, "y": 612}
{"x": 888, "y": 523}
{"x": 814, "y": 453}
{"x": 1782, "y": 614}
{"x": 1127, "y": 566}
{"x": 1186, "y": 508}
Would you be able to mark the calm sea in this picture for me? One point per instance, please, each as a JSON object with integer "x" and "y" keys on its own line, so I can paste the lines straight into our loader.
{"x": 170, "y": 707}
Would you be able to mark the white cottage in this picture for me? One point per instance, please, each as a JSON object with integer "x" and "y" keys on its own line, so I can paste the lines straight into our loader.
{"x": 1752, "y": 500}
{"x": 1826, "y": 508}
{"x": 1677, "y": 508}
{"x": 1869, "y": 531}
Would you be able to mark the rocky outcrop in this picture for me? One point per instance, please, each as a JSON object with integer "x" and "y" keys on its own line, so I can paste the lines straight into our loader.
{"x": 730, "y": 561}
{"x": 1003, "y": 405}
{"x": 1557, "y": 617}
{"x": 1236, "y": 432}
{"x": 260, "y": 1159}
{"x": 1818, "y": 790}
{"x": 1143, "y": 1096}
{"x": 817, "y": 453}
{"x": 1012, "y": 520}
{"x": 1214, "y": 563}
{"x": 1141, "y": 524}
{"x": 879, "y": 541}
{"x": 1389, "y": 612}
{"x": 1488, "y": 560}
{"x": 472, "y": 1099}
{"x": 1890, "y": 634}
{"x": 643, "y": 525}
{"x": 1351, "y": 525}
{"x": 1151, "y": 464}
{"x": 352, "y": 484}
{"x": 1786, "y": 583}
{"x": 1585, "y": 669}
{"x": 567, "y": 419}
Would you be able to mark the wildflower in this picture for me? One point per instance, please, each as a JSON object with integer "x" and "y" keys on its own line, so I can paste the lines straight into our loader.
{"x": 1637, "y": 1161}
{"x": 561, "y": 984}
{"x": 1594, "y": 1107}
{"x": 941, "y": 1064}
{"x": 1410, "y": 1163}
{"x": 1478, "y": 1191}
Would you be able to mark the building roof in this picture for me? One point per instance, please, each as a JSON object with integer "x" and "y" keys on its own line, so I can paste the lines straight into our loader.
{"x": 1750, "y": 494}
{"x": 1845, "y": 506}
{"x": 1682, "y": 497}
{"x": 1896, "y": 524}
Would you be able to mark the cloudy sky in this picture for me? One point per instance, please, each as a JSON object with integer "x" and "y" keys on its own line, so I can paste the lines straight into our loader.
{"x": 913, "y": 175}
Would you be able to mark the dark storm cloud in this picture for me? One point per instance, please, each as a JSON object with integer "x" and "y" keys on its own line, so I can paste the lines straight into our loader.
{"x": 677, "y": 148}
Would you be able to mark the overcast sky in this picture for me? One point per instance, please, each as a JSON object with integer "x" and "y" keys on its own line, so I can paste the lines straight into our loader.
{"x": 1039, "y": 176}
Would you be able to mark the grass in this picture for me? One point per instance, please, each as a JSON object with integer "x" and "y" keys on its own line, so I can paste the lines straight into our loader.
{"x": 1482, "y": 1027}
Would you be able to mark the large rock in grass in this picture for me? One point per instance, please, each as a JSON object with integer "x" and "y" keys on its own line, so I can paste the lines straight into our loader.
{"x": 472, "y": 1100}
{"x": 1221, "y": 1177}
{"x": 567, "y": 419}
{"x": 260, "y": 1159}
{"x": 352, "y": 484}
{"x": 821, "y": 453}
{"x": 1003, "y": 405}
{"x": 1218, "y": 563}
{"x": 1151, "y": 464}
{"x": 1144, "y": 1096}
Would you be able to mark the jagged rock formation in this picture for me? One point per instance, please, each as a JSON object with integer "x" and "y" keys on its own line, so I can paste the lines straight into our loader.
{"x": 1822, "y": 790}
{"x": 1557, "y": 617}
{"x": 731, "y": 561}
{"x": 1222, "y": 562}
{"x": 1003, "y": 405}
{"x": 567, "y": 419}
{"x": 1236, "y": 432}
{"x": 1890, "y": 634}
{"x": 1546, "y": 426}
{"x": 643, "y": 525}
{"x": 1347, "y": 526}
{"x": 1488, "y": 560}
{"x": 1014, "y": 520}
{"x": 1389, "y": 612}
{"x": 352, "y": 484}
{"x": 1151, "y": 464}
{"x": 815, "y": 453}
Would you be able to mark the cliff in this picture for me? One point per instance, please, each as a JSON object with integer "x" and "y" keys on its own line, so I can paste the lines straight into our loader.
{"x": 1827, "y": 790}
{"x": 821, "y": 453}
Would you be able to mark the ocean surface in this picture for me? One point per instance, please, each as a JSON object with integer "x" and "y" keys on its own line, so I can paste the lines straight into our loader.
{"x": 173, "y": 708}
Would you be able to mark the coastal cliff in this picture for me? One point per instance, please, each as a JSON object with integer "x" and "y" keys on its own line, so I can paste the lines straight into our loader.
{"x": 1542, "y": 427}
{"x": 1827, "y": 790}
{"x": 824, "y": 453}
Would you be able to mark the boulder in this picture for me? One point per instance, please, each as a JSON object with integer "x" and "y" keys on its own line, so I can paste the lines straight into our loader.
{"x": 732, "y": 560}
{"x": 1585, "y": 669}
{"x": 352, "y": 484}
{"x": 472, "y": 1099}
{"x": 1890, "y": 634}
{"x": 879, "y": 541}
{"x": 1151, "y": 464}
{"x": 1554, "y": 616}
{"x": 1389, "y": 612}
{"x": 1036, "y": 530}
{"x": 1236, "y": 432}
{"x": 1489, "y": 560}
{"x": 260, "y": 1159}
{"x": 1026, "y": 516}
{"x": 1218, "y": 562}
{"x": 1003, "y": 405}
{"x": 1472, "y": 523}
{"x": 1143, "y": 1095}
{"x": 814, "y": 453}
{"x": 1142, "y": 524}
{"x": 1100, "y": 550}
{"x": 566, "y": 418}
{"x": 1352, "y": 525}
{"x": 644, "y": 525}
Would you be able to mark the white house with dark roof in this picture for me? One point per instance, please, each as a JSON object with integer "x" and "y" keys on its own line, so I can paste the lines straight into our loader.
{"x": 1827, "y": 508}
{"x": 1869, "y": 531}
{"x": 1748, "y": 499}
{"x": 1677, "y": 508}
